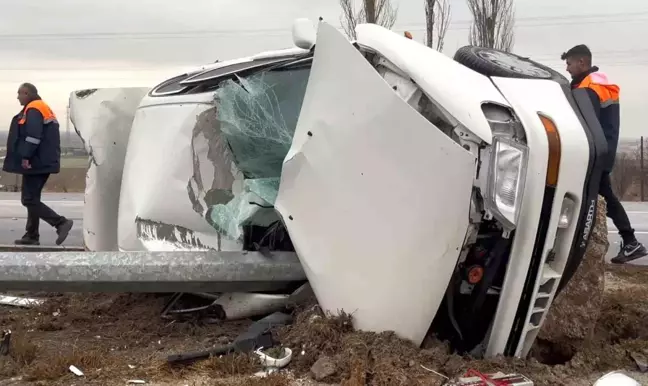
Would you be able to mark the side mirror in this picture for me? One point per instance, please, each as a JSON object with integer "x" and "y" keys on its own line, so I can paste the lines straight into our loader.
{"x": 616, "y": 378}
{"x": 304, "y": 35}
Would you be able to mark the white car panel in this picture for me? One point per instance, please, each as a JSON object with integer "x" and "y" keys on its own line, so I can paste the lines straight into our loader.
{"x": 547, "y": 98}
{"x": 103, "y": 119}
{"x": 460, "y": 90}
{"x": 161, "y": 160}
{"x": 374, "y": 212}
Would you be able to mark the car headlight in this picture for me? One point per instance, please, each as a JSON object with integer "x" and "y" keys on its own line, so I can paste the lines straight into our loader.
{"x": 506, "y": 176}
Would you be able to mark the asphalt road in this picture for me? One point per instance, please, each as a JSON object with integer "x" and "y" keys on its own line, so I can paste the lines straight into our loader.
{"x": 13, "y": 217}
{"x": 12, "y": 220}
{"x": 638, "y": 214}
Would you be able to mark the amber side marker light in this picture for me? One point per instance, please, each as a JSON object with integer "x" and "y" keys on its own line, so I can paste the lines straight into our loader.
{"x": 553, "y": 164}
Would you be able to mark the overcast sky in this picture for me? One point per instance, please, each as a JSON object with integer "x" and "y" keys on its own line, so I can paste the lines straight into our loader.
{"x": 63, "y": 45}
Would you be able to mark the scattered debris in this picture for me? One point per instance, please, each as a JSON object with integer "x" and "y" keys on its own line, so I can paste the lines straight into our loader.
{"x": 435, "y": 372}
{"x": 235, "y": 305}
{"x": 76, "y": 371}
{"x": 17, "y": 301}
{"x": 475, "y": 378}
{"x": 257, "y": 335}
{"x": 43, "y": 348}
{"x": 641, "y": 361}
{"x": 205, "y": 311}
{"x": 275, "y": 358}
{"x": 323, "y": 368}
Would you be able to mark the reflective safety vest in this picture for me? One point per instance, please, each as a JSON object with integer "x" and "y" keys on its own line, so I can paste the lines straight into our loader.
{"x": 609, "y": 110}
{"x": 48, "y": 114}
{"x": 607, "y": 92}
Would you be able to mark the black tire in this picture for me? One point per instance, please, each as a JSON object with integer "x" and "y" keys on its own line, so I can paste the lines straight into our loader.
{"x": 491, "y": 62}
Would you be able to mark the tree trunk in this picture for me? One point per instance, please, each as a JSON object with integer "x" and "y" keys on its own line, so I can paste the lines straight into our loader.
{"x": 370, "y": 10}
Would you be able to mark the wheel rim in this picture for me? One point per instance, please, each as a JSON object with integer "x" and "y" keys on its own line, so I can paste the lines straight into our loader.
{"x": 514, "y": 63}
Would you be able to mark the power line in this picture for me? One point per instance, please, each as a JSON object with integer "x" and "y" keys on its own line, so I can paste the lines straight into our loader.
{"x": 567, "y": 20}
{"x": 421, "y": 27}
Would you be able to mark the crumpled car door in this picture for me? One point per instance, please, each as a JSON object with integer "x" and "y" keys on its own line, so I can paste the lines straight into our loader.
{"x": 375, "y": 198}
{"x": 103, "y": 119}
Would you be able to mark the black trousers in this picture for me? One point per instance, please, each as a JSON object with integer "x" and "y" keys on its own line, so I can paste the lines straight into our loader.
{"x": 32, "y": 187}
{"x": 615, "y": 210}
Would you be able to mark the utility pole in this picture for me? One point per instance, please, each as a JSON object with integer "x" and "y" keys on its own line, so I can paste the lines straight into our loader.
{"x": 643, "y": 170}
{"x": 67, "y": 125}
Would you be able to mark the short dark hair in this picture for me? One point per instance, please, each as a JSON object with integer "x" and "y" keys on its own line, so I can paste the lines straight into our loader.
{"x": 579, "y": 51}
{"x": 33, "y": 91}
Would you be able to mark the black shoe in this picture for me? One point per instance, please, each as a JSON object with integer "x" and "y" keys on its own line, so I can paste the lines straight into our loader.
{"x": 63, "y": 231}
{"x": 27, "y": 240}
{"x": 630, "y": 252}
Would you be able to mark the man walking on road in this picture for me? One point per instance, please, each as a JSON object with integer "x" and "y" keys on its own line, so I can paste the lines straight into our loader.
{"x": 605, "y": 98}
{"x": 34, "y": 150}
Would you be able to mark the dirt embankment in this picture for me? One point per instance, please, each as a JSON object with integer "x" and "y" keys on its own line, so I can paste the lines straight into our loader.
{"x": 116, "y": 338}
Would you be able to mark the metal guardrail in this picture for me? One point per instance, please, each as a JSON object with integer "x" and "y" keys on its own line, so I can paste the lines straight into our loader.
{"x": 60, "y": 271}
{"x": 38, "y": 248}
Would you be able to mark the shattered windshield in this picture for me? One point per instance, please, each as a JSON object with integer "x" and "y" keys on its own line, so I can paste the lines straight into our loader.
{"x": 257, "y": 116}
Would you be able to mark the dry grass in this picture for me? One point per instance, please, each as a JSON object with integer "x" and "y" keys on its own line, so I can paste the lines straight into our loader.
{"x": 102, "y": 334}
{"x": 89, "y": 361}
{"x": 69, "y": 180}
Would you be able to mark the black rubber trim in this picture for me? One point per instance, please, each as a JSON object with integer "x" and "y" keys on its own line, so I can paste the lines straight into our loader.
{"x": 536, "y": 261}
{"x": 582, "y": 105}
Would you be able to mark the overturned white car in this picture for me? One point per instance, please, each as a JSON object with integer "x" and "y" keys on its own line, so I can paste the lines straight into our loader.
{"x": 422, "y": 194}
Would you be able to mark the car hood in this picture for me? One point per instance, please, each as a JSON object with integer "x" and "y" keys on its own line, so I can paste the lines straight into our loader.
{"x": 375, "y": 197}
{"x": 460, "y": 90}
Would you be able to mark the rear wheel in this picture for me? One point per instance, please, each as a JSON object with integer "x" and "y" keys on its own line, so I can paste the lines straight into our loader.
{"x": 491, "y": 62}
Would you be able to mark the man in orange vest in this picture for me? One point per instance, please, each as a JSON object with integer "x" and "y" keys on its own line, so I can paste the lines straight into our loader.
{"x": 605, "y": 98}
{"x": 34, "y": 150}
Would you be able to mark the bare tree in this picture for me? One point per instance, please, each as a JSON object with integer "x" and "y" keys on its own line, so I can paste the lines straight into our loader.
{"x": 493, "y": 22}
{"x": 380, "y": 12}
{"x": 437, "y": 20}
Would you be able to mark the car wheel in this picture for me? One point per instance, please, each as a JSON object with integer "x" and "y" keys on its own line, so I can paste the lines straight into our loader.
{"x": 491, "y": 62}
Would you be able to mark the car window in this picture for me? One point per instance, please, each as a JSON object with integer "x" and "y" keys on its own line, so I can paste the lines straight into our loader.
{"x": 258, "y": 115}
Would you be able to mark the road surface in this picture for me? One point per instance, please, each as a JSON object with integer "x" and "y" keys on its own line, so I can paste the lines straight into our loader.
{"x": 13, "y": 217}
{"x": 12, "y": 220}
{"x": 638, "y": 214}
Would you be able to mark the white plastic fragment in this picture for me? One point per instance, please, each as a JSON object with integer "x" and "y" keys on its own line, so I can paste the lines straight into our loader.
{"x": 136, "y": 382}
{"x": 266, "y": 372}
{"x": 616, "y": 378}
{"x": 76, "y": 371}
{"x": 269, "y": 361}
{"x": 17, "y": 301}
{"x": 435, "y": 372}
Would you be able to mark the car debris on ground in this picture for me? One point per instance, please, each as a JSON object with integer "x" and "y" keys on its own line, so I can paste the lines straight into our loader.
{"x": 19, "y": 301}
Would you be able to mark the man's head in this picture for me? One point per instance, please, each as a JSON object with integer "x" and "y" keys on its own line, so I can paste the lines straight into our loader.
{"x": 579, "y": 60}
{"x": 27, "y": 92}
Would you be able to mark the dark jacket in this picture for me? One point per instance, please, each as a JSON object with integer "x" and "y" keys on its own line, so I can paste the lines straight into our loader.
{"x": 605, "y": 98}
{"x": 34, "y": 135}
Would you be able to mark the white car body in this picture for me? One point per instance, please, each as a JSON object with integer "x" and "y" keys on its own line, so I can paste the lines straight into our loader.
{"x": 386, "y": 184}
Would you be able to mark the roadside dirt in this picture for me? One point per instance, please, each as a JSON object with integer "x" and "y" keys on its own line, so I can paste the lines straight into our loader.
{"x": 114, "y": 338}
